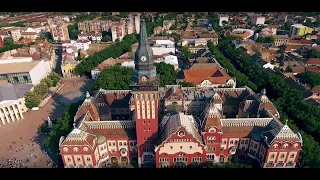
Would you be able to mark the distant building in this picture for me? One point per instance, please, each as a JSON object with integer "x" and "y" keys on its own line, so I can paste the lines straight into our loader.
{"x": 208, "y": 76}
{"x": 210, "y": 37}
{"x": 223, "y": 18}
{"x": 12, "y": 103}
{"x": 93, "y": 37}
{"x": 258, "y": 20}
{"x": 300, "y": 30}
{"x": 68, "y": 66}
{"x": 94, "y": 26}
{"x": 79, "y": 44}
{"x": 243, "y": 33}
{"x": 128, "y": 25}
{"x": 167, "y": 24}
{"x": 118, "y": 31}
{"x": 163, "y": 47}
{"x": 58, "y": 29}
{"x": 16, "y": 35}
{"x": 23, "y": 72}
{"x": 280, "y": 40}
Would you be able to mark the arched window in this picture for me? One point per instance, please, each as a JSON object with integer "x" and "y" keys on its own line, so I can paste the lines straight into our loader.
{"x": 65, "y": 149}
{"x": 275, "y": 146}
{"x": 85, "y": 149}
{"x": 75, "y": 149}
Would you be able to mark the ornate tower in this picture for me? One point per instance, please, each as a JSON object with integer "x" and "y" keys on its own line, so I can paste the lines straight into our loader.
{"x": 145, "y": 73}
{"x": 145, "y": 100}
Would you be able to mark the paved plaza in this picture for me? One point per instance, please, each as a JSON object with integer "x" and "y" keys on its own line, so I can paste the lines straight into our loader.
{"x": 20, "y": 141}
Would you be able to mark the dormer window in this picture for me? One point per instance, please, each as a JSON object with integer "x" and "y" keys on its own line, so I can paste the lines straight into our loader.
{"x": 181, "y": 133}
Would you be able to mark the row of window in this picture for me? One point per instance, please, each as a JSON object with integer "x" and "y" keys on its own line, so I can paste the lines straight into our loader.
{"x": 290, "y": 163}
{"x": 285, "y": 145}
{"x": 190, "y": 147}
{"x": 75, "y": 149}
{"x": 282, "y": 156}
{"x": 78, "y": 159}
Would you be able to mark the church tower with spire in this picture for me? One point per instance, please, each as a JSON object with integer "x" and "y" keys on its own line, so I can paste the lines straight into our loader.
{"x": 145, "y": 100}
{"x": 145, "y": 73}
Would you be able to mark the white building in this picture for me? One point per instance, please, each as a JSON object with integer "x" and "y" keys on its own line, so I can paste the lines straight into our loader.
{"x": 223, "y": 18}
{"x": 258, "y": 20}
{"x": 12, "y": 103}
{"x": 92, "y": 36}
{"x": 170, "y": 59}
{"x": 23, "y": 72}
{"x": 80, "y": 44}
{"x": 11, "y": 59}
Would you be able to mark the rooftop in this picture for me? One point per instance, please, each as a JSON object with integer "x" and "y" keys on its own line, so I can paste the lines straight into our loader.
{"x": 17, "y": 67}
{"x": 13, "y": 91}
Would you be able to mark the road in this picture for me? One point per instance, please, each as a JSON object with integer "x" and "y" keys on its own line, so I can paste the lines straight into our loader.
{"x": 21, "y": 139}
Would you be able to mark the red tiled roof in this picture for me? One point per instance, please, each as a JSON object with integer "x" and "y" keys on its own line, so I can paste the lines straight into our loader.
{"x": 244, "y": 35}
{"x": 214, "y": 35}
{"x": 36, "y": 56}
{"x": 313, "y": 69}
{"x": 215, "y": 76}
{"x": 29, "y": 33}
{"x": 66, "y": 42}
{"x": 316, "y": 89}
{"x": 298, "y": 69}
{"x": 313, "y": 61}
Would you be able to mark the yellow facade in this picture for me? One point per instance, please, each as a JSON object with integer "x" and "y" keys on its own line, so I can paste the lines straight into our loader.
{"x": 306, "y": 30}
{"x": 68, "y": 71}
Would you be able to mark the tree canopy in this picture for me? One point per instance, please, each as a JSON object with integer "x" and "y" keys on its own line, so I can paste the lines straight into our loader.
{"x": 33, "y": 98}
{"x": 114, "y": 51}
{"x": 113, "y": 78}
{"x": 62, "y": 127}
{"x": 289, "y": 102}
{"x": 267, "y": 39}
{"x": 73, "y": 31}
{"x": 313, "y": 53}
{"x": 186, "y": 84}
{"x": 310, "y": 78}
{"x": 167, "y": 74}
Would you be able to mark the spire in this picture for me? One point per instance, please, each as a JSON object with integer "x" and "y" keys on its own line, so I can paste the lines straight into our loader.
{"x": 143, "y": 32}
{"x": 286, "y": 122}
{"x": 87, "y": 95}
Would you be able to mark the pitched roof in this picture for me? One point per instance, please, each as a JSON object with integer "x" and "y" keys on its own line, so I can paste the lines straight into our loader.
{"x": 316, "y": 89}
{"x": 312, "y": 61}
{"x": 298, "y": 69}
{"x": 13, "y": 91}
{"x": 196, "y": 76}
{"x": 213, "y": 35}
{"x": 170, "y": 124}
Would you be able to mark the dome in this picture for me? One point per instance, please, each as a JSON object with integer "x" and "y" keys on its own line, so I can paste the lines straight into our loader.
{"x": 101, "y": 139}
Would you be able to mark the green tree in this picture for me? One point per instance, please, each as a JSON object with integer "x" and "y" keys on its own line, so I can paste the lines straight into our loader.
{"x": 106, "y": 38}
{"x": 41, "y": 89}
{"x": 176, "y": 37}
{"x": 186, "y": 54}
{"x": 288, "y": 69}
{"x": 73, "y": 31}
{"x": 62, "y": 127}
{"x": 55, "y": 78}
{"x": 313, "y": 53}
{"x": 114, "y": 51}
{"x": 310, "y": 78}
{"x": 167, "y": 74}
{"x": 113, "y": 78}
{"x": 31, "y": 99}
{"x": 8, "y": 41}
{"x": 21, "y": 38}
{"x": 186, "y": 84}
{"x": 47, "y": 81}
{"x": 267, "y": 39}
{"x": 173, "y": 27}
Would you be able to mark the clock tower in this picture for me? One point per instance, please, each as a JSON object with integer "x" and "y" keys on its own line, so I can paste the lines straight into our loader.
{"x": 145, "y": 73}
{"x": 145, "y": 100}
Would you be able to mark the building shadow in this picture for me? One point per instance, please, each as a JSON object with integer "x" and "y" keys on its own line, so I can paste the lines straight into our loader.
{"x": 59, "y": 104}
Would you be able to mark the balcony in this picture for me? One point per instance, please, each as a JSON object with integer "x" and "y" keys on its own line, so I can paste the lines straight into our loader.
{"x": 279, "y": 165}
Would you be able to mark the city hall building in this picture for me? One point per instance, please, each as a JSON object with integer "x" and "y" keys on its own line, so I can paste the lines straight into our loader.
{"x": 174, "y": 126}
